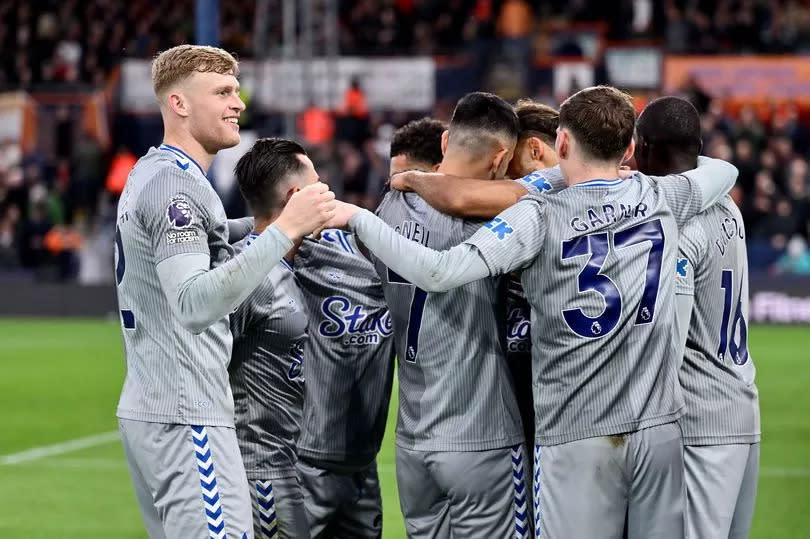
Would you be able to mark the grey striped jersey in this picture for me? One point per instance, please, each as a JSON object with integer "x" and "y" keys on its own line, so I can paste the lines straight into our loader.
{"x": 167, "y": 208}
{"x": 455, "y": 389}
{"x": 604, "y": 357}
{"x": 518, "y": 313}
{"x": 518, "y": 319}
{"x": 350, "y": 354}
{"x": 269, "y": 344}
{"x": 717, "y": 374}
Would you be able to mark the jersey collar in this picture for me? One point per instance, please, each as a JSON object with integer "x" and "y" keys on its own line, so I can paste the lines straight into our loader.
{"x": 599, "y": 182}
{"x": 184, "y": 158}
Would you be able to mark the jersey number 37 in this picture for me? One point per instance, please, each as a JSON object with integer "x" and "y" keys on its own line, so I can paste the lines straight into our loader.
{"x": 591, "y": 280}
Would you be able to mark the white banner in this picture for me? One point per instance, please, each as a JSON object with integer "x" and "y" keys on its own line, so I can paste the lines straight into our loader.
{"x": 290, "y": 85}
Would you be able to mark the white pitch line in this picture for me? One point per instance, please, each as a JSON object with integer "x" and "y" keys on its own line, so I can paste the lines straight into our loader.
{"x": 36, "y": 453}
{"x": 785, "y": 472}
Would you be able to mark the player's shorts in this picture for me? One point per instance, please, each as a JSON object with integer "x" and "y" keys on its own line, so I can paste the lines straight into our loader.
{"x": 342, "y": 505}
{"x": 278, "y": 509}
{"x": 464, "y": 494}
{"x": 189, "y": 480}
{"x": 721, "y": 489}
{"x": 628, "y": 485}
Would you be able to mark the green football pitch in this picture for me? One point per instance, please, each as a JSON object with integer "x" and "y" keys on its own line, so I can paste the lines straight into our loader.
{"x": 62, "y": 472}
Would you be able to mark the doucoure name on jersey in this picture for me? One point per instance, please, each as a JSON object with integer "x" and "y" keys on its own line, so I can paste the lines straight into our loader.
{"x": 729, "y": 230}
{"x": 415, "y": 232}
{"x": 605, "y": 214}
{"x": 353, "y": 323}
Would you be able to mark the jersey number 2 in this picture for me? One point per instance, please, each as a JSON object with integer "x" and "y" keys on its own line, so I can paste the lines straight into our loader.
{"x": 738, "y": 350}
{"x": 414, "y": 316}
{"x": 590, "y": 279}
{"x": 127, "y": 316}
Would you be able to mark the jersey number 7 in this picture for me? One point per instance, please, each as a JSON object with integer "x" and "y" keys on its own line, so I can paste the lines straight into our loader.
{"x": 591, "y": 280}
{"x": 414, "y": 316}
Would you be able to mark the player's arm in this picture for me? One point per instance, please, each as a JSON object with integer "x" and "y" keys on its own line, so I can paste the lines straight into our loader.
{"x": 705, "y": 185}
{"x": 497, "y": 248}
{"x": 199, "y": 295}
{"x": 239, "y": 228}
{"x": 692, "y": 249}
{"x": 461, "y": 197}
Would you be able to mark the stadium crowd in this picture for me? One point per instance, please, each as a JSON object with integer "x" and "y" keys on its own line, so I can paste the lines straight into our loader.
{"x": 50, "y": 207}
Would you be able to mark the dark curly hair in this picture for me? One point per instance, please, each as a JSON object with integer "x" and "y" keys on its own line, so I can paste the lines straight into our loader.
{"x": 420, "y": 140}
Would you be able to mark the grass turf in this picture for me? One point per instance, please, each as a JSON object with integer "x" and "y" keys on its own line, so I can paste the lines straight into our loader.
{"x": 61, "y": 378}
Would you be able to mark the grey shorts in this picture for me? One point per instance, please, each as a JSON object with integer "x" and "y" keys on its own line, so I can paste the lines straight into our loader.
{"x": 721, "y": 489}
{"x": 189, "y": 480}
{"x": 278, "y": 509}
{"x": 610, "y": 487}
{"x": 464, "y": 493}
{"x": 342, "y": 505}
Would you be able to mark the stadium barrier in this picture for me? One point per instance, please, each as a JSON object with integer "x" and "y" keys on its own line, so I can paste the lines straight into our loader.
{"x": 784, "y": 300}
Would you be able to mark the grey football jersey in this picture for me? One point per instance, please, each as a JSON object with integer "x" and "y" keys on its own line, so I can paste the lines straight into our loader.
{"x": 455, "y": 389}
{"x": 518, "y": 312}
{"x": 604, "y": 360}
{"x": 270, "y": 340}
{"x": 518, "y": 318}
{"x": 350, "y": 354}
{"x": 717, "y": 374}
{"x": 167, "y": 208}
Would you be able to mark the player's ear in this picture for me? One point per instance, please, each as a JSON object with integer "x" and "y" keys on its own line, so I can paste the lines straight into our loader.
{"x": 445, "y": 137}
{"x": 499, "y": 163}
{"x": 628, "y": 154}
{"x": 177, "y": 103}
{"x": 537, "y": 148}
{"x": 561, "y": 144}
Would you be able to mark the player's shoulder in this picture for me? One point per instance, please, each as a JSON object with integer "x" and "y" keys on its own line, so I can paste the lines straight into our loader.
{"x": 397, "y": 206}
{"x": 334, "y": 248}
{"x": 540, "y": 181}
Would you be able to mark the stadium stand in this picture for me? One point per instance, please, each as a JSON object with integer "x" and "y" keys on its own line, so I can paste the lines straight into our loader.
{"x": 55, "y": 203}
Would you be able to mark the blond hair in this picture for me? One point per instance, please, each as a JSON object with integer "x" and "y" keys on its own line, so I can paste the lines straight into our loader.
{"x": 176, "y": 64}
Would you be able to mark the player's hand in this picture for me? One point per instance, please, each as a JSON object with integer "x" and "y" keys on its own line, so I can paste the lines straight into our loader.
{"x": 307, "y": 210}
{"x": 343, "y": 213}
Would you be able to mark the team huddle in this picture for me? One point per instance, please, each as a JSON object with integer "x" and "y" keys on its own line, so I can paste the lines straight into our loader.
{"x": 570, "y": 343}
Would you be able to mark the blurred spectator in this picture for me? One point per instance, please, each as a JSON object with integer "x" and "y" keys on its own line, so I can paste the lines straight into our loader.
{"x": 353, "y": 124}
{"x": 87, "y": 163}
{"x": 316, "y": 125}
{"x": 122, "y": 163}
{"x": 796, "y": 260}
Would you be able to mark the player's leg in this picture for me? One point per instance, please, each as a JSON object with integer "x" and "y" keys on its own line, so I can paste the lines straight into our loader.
{"x": 746, "y": 499}
{"x": 714, "y": 477}
{"x": 424, "y": 506}
{"x": 581, "y": 488}
{"x": 198, "y": 481}
{"x": 142, "y": 492}
{"x": 323, "y": 494}
{"x": 487, "y": 491}
{"x": 657, "y": 491}
{"x": 360, "y": 516}
{"x": 278, "y": 509}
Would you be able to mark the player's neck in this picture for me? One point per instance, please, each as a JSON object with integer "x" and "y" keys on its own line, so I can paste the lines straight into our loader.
{"x": 190, "y": 146}
{"x": 575, "y": 173}
{"x": 464, "y": 168}
{"x": 261, "y": 223}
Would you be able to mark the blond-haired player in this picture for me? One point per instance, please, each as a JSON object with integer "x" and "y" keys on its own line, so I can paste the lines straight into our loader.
{"x": 178, "y": 280}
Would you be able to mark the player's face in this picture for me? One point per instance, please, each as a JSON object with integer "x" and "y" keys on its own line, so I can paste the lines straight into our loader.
{"x": 214, "y": 106}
